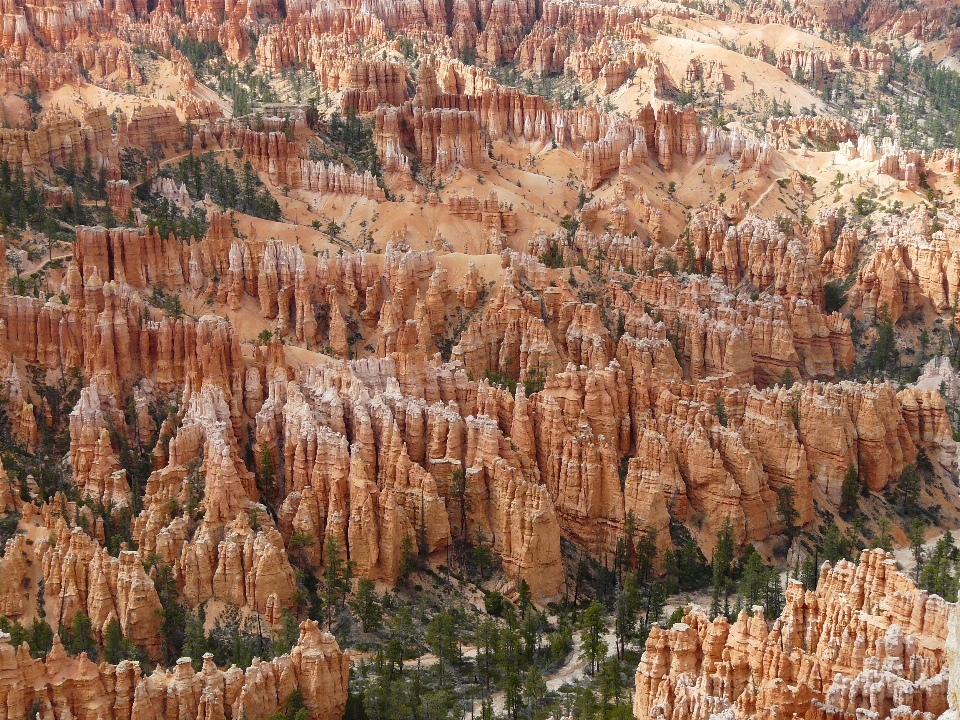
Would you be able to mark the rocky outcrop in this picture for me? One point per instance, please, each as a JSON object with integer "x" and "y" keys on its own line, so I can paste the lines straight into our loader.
{"x": 235, "y": 554}
{"x": 330, "y": 179}
{"x": 509, "y": 338}
{"x": 755, "y": 340}
{"x": 839, "y": 261}
{"x": 899, "y": 163}
{"x": 490, "y": 212}
{"x": 821, "y": 129}
{"x": 912, "y": 264}
{"x": 15, "y": 578}
{"x": 598, "y": 138}
{"x": 441, "y": 138}
{"x": 110, "y": 65}
{"x": 79, "y": 575}
{"x": 58, "y": 138}
{"x": 152, "y": 124}
{"x": 119, "y": 197}
{"x": 865, "y": 641}
{"x": 376, "y": 480}
{"x": 315, "y": 666}
{"x": 876, "y": 60}
{"x": 952, "y": 659}
{"x": 756, "y": 252}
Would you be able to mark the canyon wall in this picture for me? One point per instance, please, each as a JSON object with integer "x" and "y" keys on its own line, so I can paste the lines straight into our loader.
{"x": 866, "y": 641}
{"x": 60, "y": 684}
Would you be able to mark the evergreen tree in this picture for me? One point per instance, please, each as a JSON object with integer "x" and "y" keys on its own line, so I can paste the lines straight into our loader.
{"x": 753, "y": 578}
{"x": 524, "y": 599}
{"x": 834, "y": 546}
{"x": 916, "y": 534}
{"x": 809, "y": 573}
{"x": 513, "y": 693}
{"x": 298, "y": 541}
{"x": 441, "y": 638}
{"x": 787, "y": 510}
{"x": 38, "y": 635}
{"x": 646, "y": 556}
{"x": 172, "y": 614}
{"x": 366, "y": 606}
{"x": 267, "y": 477}
{"x": 884, "y": 541}
{"x": 722, "y": 570}
{"x": 849, "y": 492}
{"x": 336, "y": 579}
{"x": 532, "y": 629}
{"x": 408, "y": 561}
{"x": 112, "y": 642}
{"x": 593, "y": 647}
{"x": 195, "y": 643}
{"x": 458, "y": 491}
{"x": 908, "y": 489}
{"x": 938, "y": 575}
{"x": 884, "y": 356}
{"x": 534, "y": 690}
{"x": 487, "y": 640}
{"x": 609, "y": 685}
{"x": 79, "y": 638}
{"x": 287, "y": 635}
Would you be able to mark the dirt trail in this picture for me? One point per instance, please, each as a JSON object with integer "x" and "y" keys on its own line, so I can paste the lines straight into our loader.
{"x": 571, "y": 672}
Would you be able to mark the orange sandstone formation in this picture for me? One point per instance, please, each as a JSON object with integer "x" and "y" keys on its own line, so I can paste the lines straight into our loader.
{"x": 62, "y": 684}
{"x": 866, "y": 641}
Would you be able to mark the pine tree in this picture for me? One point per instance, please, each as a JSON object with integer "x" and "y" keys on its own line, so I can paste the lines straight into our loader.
{"x": 722, "y": 569}
{"x": 915, "y": 534}
{"x": 79, "y": 638}
{"x": 624, "y": 616}
{"x": 113, "y": 642}
{"x": 172, "y": 614}
{"x": 336, "y": 579}
{"x": 366, "y": 606}
{"x": 524, "y": 599}
{"x": 267, "y": 477}
{"x": 287, "y": 635}
{"x": 408, "y": 560}
{"x": 195, "y": 643}
{"x": 908, "y": 489}
{"x": 850, "y": 492}
{"x": 458, "y": 491}
{"x": 787, "y": 510}
{"x": 534, "y": 690}
{"x": 884, "y": 355}
{"x": 593, "y": 648}
{"x": 487, "y": 640}
{"x": 753, "y": 578}
{"x": 441, "y": 638}
{"x": 938, "y": 575}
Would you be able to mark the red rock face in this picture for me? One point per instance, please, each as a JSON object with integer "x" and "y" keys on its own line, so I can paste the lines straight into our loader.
{"x": 913, "y": 263}
{"x": 411, "y": 398}
{"x": 315, "y": 666}
{"x": 110, "y": 65}
{"x": 850, "y": 643}
{"x": 515, "y": 339}
{"x": 118, "y": 195}
{"x": 371, "y": 475}
{"x": 397, "y": 473}
{"x": 440, "y": 138}
{"x": 822, "y": 129}
{"x": 79, "y": 575}
{"x": 429, "y": 128}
